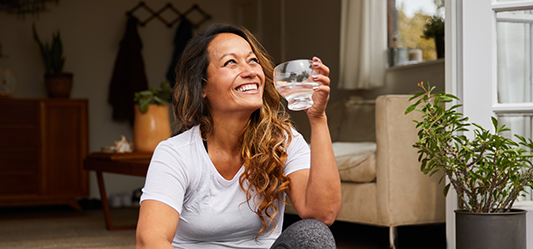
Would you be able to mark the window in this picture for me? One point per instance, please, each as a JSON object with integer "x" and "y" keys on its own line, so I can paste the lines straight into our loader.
{"x": 405, "y": 30}
{"x": 514, "y": 102}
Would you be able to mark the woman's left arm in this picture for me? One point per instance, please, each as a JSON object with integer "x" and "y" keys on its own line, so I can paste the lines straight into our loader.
{"x": 316, "y": 193}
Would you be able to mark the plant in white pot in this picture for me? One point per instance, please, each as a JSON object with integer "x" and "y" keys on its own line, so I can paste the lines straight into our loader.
{"x": 58, "y": 83}
{"x": 488, "y": 171}
{"x": 151, "y": 123}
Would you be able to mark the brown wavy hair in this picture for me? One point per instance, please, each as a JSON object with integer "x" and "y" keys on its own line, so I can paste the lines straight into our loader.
{"x": 265, "y": 138}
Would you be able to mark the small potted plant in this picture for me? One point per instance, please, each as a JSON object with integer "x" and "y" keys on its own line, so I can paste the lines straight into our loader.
{"x": 151, "y": 122}
{"x": 58, "y": 83}
{"x": 434, "y": 28}
{"x": 488, "y": 171}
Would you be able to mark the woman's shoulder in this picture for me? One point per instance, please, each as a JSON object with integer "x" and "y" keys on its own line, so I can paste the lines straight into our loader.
{"x": 182, "y": 143}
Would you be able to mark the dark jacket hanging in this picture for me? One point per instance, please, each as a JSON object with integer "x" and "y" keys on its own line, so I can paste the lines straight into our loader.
{"x": 128, "y": 74}
{"x": 181, "y": 38}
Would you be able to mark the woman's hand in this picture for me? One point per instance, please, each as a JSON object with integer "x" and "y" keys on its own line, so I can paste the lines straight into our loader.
{"x": 321, "y": 94}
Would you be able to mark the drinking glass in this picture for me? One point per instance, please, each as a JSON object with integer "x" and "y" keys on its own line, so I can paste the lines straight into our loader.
{"x": 294, "y": 82}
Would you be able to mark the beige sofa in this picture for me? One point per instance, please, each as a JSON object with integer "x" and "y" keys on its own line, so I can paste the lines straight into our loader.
{"x": 381, "y": 180}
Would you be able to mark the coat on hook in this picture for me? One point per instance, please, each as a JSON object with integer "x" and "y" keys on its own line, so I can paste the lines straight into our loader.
{"x": 128, "y": 74}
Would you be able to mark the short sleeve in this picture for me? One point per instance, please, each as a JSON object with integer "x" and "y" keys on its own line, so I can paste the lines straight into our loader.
{"x": 298, "y": 154}
{"x": 166, "y": 180}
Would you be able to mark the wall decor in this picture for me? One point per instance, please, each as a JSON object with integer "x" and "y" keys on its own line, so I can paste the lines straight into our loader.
{"x": 169, "y": 7}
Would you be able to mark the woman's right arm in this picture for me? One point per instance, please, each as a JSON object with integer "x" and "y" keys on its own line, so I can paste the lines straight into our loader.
{"x": 157, "y": 225}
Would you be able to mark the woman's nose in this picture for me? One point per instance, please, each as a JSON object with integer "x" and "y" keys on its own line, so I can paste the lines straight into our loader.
{"x": 248, "y": 71}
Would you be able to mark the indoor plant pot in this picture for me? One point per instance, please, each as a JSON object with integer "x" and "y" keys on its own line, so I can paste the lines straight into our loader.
{"x": 151, "y": 123}
{"x": 488, "y": 171}
{"x": 490, "y": 230}
{"x": 58, "y": 83}
{"x": 150, "y": 127}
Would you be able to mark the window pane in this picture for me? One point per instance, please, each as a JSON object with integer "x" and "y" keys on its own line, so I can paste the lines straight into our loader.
{"x": 514, "y": 56}
{"x": 519, "y": 124}
{"x": 406, "y": 25}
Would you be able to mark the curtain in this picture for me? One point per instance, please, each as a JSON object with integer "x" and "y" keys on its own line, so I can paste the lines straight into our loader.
{"x": 363, "y": 44}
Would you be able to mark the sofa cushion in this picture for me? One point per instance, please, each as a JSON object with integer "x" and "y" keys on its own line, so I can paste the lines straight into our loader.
{"x": 356, "y": 161}
{"x": 358, "y": 121}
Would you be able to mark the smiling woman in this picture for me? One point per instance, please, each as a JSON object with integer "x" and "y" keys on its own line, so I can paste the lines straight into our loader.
{"x": 235, "y": 79}
{"x": 222, "y": 181}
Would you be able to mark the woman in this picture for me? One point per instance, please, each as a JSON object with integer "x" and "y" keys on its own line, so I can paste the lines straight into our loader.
{"x": 222, "y": 181}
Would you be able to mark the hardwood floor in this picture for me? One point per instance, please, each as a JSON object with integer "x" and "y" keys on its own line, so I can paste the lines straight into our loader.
{"x": 59, "y": 225}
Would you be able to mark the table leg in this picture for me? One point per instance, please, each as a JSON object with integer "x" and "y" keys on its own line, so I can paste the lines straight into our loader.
{"x": 105, "y": 206}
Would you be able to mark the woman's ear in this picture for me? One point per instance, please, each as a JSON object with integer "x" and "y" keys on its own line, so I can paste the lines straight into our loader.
{"x": 204, "y": 89}
{"x": 204, "y": 92}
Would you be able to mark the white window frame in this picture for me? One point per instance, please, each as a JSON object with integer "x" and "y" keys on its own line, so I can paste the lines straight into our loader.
{"x": 471, "y": 67}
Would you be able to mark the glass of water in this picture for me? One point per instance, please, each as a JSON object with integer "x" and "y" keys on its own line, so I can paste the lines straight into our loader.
{"x": 294, "y": 82}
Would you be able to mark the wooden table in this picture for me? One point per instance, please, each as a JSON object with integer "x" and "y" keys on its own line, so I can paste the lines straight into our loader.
{"x": 134, "y": 164}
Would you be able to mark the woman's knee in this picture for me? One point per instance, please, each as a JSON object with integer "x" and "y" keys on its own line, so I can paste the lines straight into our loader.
{"x": 308, "y": 233}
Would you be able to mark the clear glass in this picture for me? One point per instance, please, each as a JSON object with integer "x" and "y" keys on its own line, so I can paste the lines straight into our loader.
{"x": 519, "y": 124}
{"x": 293, "y": 80}
{"x": 514, "y": 47}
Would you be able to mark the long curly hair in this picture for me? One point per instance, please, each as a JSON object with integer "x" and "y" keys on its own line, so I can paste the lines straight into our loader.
{"x": 265, "y": 138}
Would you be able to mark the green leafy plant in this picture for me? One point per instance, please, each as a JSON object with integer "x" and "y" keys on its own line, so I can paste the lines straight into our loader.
{"x": 157, "y": 96}
{"x": 488, "y": 171}
{"x": 433, "y": 27}
{"x": 52, "y": 54}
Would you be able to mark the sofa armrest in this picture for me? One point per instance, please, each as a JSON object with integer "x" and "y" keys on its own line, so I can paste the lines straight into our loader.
{"x": 405, "y": 195}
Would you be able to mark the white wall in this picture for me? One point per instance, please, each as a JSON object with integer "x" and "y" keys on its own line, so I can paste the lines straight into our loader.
{"x": 91, "y": 32}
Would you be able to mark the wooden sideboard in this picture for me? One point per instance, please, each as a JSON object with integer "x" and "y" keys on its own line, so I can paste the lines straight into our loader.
{"x": 42, "y": 146}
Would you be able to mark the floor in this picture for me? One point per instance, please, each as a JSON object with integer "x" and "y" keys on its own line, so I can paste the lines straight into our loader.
{"x": 63, "y": 227}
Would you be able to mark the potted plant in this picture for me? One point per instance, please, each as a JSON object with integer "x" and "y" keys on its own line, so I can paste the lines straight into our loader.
{"x": 434, "y": 28}
{"x": 58, "y": 83}
{"x": 488, "y": 171}
{"x": 151, "y": 122}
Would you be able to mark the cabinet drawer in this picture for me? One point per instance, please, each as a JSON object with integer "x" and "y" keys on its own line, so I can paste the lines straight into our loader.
{"x": 19, "y": 111}
{"x": 19, "y": 135}
{"x": 19, "y": 183}
{"x": 19, "y": 159}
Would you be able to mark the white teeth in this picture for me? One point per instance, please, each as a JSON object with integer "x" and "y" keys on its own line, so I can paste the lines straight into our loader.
{"x": 247, "y": 87}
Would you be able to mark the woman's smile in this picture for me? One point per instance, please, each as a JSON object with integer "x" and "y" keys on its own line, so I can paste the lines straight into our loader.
{"x": 248, "y": 88}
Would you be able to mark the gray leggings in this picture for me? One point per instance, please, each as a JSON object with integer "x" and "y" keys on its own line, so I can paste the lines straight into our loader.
{"x": 305, "y": 234}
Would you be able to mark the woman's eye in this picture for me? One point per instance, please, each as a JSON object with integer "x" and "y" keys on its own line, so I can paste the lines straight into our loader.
{"x": 255, "y": 60}
{"x": 229, "y": 62}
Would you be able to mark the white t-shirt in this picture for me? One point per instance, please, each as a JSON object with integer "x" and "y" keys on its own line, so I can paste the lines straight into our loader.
{"x": 213, "y": 211}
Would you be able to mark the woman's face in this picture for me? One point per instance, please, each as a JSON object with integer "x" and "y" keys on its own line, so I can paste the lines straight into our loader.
{"x": 235, "y": 80}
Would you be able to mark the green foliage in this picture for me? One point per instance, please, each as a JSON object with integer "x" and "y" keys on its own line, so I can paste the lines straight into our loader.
{"x": 52, "y": 55}
{"x": 157, "y": 96}
{"x": 489, "y": 171}
{"x": 410, "y": 33}
{"x": 433, "y": 27}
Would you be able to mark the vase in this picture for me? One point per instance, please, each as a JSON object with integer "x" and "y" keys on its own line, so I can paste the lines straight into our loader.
{"x": 490, "y": 230}
{"x": 58, "y": 85}
{"x": 151, "y": 127}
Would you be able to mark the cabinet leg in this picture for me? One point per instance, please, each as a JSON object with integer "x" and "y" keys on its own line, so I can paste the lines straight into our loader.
{"x": 393, "y": 237}
{"x": 74, "y": 204}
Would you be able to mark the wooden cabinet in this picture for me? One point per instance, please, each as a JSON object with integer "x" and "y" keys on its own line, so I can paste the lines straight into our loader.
{"x": 42, "y": 146}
